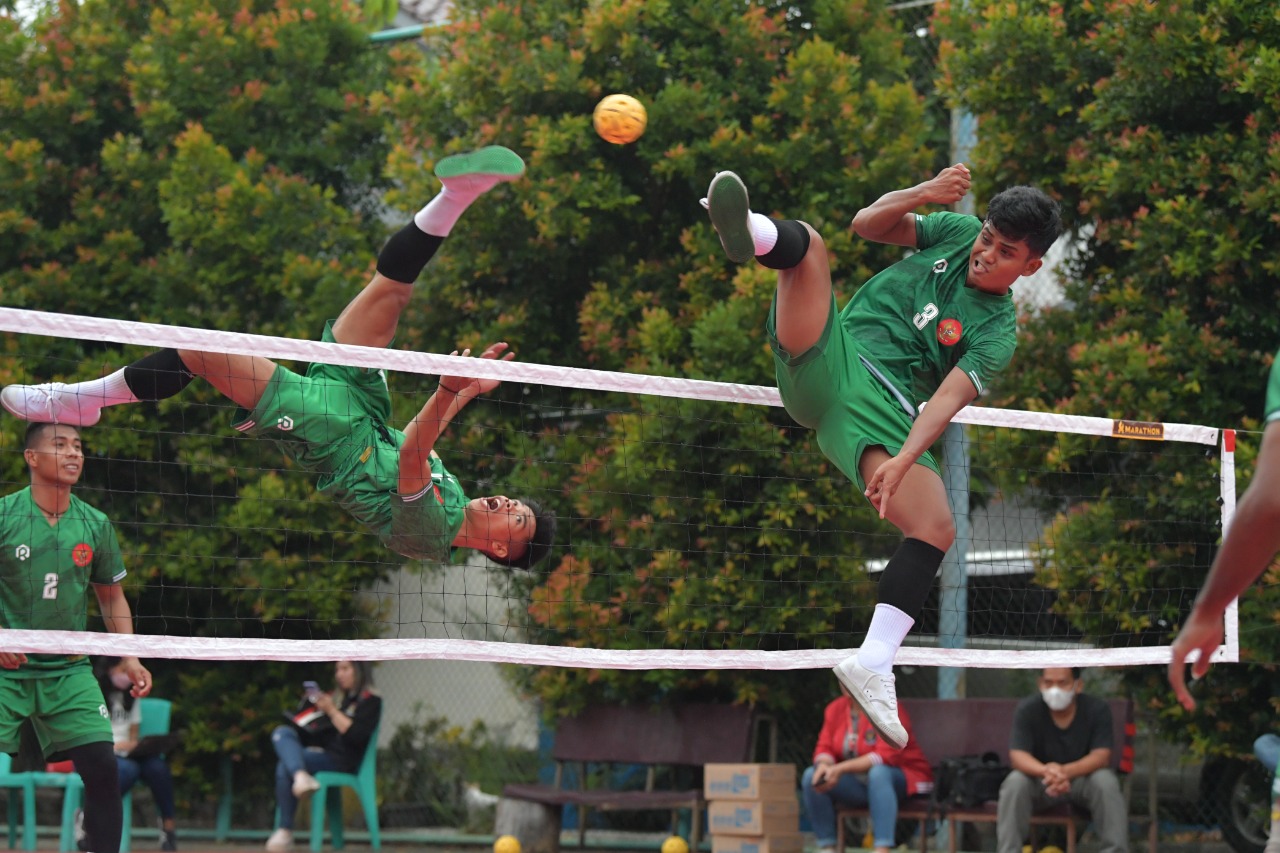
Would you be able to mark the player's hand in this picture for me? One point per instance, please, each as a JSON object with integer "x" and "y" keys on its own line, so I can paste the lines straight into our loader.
{"x": 885, "y": 480}
{"x": 1202, "y": 631}
{"x": 139, "y": 675}
{"x": 12, "y": 660}
{"x": 951, "y": 184}
{"x": 470, "y": 386}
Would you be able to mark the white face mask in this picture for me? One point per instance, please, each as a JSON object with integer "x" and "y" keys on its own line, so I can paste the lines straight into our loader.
{"x": 120, "y": 681}
{"x": 1057, "y": 699}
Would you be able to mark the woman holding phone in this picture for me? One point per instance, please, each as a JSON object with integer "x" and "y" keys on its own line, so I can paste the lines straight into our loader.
{"x": 334, "y": 738}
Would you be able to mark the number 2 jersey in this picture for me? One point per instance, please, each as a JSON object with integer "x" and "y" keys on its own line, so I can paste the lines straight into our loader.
{"x": 46, "y": 570}
{"x": 916, "y": 320}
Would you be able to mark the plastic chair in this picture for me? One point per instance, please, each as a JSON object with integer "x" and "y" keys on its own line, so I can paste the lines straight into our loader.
{"x": 365, "y": 783}
{"x": 155, "y": 721}
{"x": 24, "y": 784}
{"x": 73, "y": 785}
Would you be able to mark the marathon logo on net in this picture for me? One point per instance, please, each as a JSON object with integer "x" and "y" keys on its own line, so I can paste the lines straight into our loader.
{"x": 1143, "y": 430}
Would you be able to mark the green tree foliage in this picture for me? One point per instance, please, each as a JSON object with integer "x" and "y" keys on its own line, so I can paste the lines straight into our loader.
{"x": 212, "y": 164}
{"x": 692, "y": 525}
{"x": 1155, "y": 125}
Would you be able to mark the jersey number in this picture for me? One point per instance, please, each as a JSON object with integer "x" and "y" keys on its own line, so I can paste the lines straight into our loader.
{"x": 926, "y": 316}
{"x": 51, "y": 585}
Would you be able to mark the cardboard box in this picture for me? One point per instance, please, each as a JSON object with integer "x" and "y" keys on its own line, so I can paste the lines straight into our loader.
{"x": 754, "y": 817}
{"x": 782, "y": 842}
{"x": 749, "y": 781}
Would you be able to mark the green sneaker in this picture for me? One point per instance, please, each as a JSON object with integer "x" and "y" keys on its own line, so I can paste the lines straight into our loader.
{"x": 497, "y": 162}
{"x": 728, "y": 205}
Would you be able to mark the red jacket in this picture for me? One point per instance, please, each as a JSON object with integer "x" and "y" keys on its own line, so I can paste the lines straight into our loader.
{"x": 832, "y": 742}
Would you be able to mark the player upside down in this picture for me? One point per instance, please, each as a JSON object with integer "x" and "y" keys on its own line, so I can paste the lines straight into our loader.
{"x": 333, "y": 420}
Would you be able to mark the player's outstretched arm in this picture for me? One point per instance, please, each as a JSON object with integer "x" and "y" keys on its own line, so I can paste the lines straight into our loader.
{"x": 889, "y": 218}
{"x": 1250, "y": 545}
{"x": 425, "y": 429}
{"x": 955, "y": 392}
{"x": 118, "y": 618}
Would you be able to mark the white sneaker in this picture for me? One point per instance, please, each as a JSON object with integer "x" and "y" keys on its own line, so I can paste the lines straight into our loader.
{"x": 304, "y": 783}
{"x": 50, "y": 403}
{"x": 876, "y": 695}
{"x": 281, "y": 839}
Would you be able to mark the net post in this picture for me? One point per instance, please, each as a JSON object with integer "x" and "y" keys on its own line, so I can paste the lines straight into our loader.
{"x": 953, "y": 581}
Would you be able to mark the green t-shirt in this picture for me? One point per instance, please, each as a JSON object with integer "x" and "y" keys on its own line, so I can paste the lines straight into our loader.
{"x": 46, "y": 570}
{"x": 915, "y": 321}
{"x": 1273, "y": 392}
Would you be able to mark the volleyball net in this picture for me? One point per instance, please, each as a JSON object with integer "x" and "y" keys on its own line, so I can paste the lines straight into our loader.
{"x": 698, "y": 527}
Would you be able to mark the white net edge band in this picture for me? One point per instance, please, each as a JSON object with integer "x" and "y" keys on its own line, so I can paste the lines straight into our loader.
{"x": 49, "y": 324}
{"x": 22, "y": 321}
{"x": 211, "y": 648}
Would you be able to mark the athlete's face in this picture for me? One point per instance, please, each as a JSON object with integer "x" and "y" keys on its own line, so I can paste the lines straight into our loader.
{"x": 56, "y": 458}
{"x": 506, "y": 524}
{"x": 996, "y": 262}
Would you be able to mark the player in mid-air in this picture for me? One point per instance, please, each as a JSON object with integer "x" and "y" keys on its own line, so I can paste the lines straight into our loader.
{"x": 933, "y": 328}
{"x": 333, "y": 420}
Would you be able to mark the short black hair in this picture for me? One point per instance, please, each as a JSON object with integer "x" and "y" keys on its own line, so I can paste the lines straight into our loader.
{"x": 35, "y": 433}
{"x": 1026, "y": 213}
{"x": 544, "y": 536}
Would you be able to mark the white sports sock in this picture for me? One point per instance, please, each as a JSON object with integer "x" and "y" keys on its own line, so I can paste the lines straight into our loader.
{"x": 108, "y": 391}
{"x": 763, "y": 232}
{"x": 443, "y": 211}
{"x": 889, "y": 627}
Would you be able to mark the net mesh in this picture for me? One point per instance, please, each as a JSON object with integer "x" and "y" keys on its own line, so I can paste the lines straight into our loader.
{"x": 698, "y": 527}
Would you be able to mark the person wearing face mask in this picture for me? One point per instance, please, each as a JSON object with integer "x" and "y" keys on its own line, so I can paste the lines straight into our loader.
{"x": 1060, "y": 749}
{"x": 132, "y": 764}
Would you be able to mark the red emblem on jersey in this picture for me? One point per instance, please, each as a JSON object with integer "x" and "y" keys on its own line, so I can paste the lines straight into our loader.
{"x": 439, "y": 496}
{"x": 82, "y": 555}
{"x": 949, "y": 332}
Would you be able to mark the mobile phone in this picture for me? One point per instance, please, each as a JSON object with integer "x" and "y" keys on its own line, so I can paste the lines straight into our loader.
{"x": 312, "y": 689}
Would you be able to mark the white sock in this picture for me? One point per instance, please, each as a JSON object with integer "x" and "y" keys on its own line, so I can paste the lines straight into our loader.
{"x": 889, "y": 627}
{"x": 763, "y": 231}
{"x": 107, "y": 391}
{"x": 443, "y": 211}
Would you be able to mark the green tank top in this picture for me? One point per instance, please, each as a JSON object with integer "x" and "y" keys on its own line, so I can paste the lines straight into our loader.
{"x": 46, "y": 570}
{"x": 916, "y": 320}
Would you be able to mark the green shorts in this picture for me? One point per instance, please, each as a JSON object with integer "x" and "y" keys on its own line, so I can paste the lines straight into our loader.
{"x": 67, "y": 710}
{"x": 829, "y": 390}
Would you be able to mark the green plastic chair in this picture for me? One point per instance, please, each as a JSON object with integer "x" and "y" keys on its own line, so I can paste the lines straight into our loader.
{"x": 73, "y": 785}
{"x": 155, "y": 721}
{"x": 365, "y": 783}
{"x": 19, "y": 783}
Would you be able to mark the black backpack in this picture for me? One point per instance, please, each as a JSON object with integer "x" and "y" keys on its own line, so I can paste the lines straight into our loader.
{"x": 969, "y": 780}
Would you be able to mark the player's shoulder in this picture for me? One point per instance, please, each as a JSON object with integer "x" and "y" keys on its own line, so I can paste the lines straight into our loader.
{"x": 88, "y": 512}
{"x": 13, "y": 499}
{"x": 944, "y": 226}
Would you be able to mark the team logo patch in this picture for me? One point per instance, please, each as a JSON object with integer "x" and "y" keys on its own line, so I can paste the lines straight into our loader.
{"x": 82, "y": 555}
{"x": 949, "y": 332}
{"x": 285, "y": 423}
{"x": 939, "y": 266}
{"x": 22, "y": 552}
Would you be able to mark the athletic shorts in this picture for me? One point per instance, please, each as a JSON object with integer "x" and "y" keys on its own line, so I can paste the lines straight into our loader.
{"x": 66, "y": 709}
{"x": 829, "y": 390}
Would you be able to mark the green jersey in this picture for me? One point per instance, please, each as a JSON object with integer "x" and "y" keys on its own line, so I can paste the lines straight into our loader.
{"x": 46, "y": 569}
{"x": 916, "y": 321}
{"x": 1272, "y": 412}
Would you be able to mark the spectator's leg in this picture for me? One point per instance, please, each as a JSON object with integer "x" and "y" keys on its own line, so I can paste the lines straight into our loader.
{"x": 1013, "y": 813}
{"x": 155, "y": 772}
{"x": 289, "y": 750}
{"x": 129, "y": 771}
{"x": 821, "y": 806}
{"x": 885, "y": 785}
{"x": 1100, "y": 793}
{"x": 1273, "y": 840}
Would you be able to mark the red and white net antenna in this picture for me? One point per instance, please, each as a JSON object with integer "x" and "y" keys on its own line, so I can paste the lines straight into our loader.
{"x": 1230, "y": 648}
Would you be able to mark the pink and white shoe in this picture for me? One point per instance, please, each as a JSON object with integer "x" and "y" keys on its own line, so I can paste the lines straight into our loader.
{"x": 51, "y": 403}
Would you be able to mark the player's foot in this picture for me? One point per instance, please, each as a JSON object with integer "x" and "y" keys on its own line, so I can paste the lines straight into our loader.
{"x": 280, "y": 840}
{"x": 304, "y": 783}
{"x": 78, "y": 831}
{"x": 876, "y": 696}
{"x": 50, "y": 403}
{"x": 168, "y": 840}
{"x": 730, "y": 209}
{"x": 479, "y": 171}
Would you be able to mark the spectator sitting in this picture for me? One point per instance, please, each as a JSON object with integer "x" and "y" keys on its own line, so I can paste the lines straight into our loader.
{"x": 126, "y": 717}
{"x": 335, "y": 740}
{"x": 854, "y": 767}
{"x": 1060, "y": 749}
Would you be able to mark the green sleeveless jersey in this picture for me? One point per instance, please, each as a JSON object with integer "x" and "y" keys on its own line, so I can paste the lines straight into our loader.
{"x": 915, "y": 321}
{"x": 46, "y": 570}
{"x": 1273, "y": 392}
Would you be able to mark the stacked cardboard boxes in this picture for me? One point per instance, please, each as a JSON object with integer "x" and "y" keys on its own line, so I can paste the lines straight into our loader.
{"x": 753, "y": 808}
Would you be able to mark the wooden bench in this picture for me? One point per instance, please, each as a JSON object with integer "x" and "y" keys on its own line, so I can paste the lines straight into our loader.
{"x": 684, "y": 735}
{"x": 947, "y": 728}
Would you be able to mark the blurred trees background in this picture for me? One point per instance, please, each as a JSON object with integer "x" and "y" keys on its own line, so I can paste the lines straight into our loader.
{"x": 237, "y": 165}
